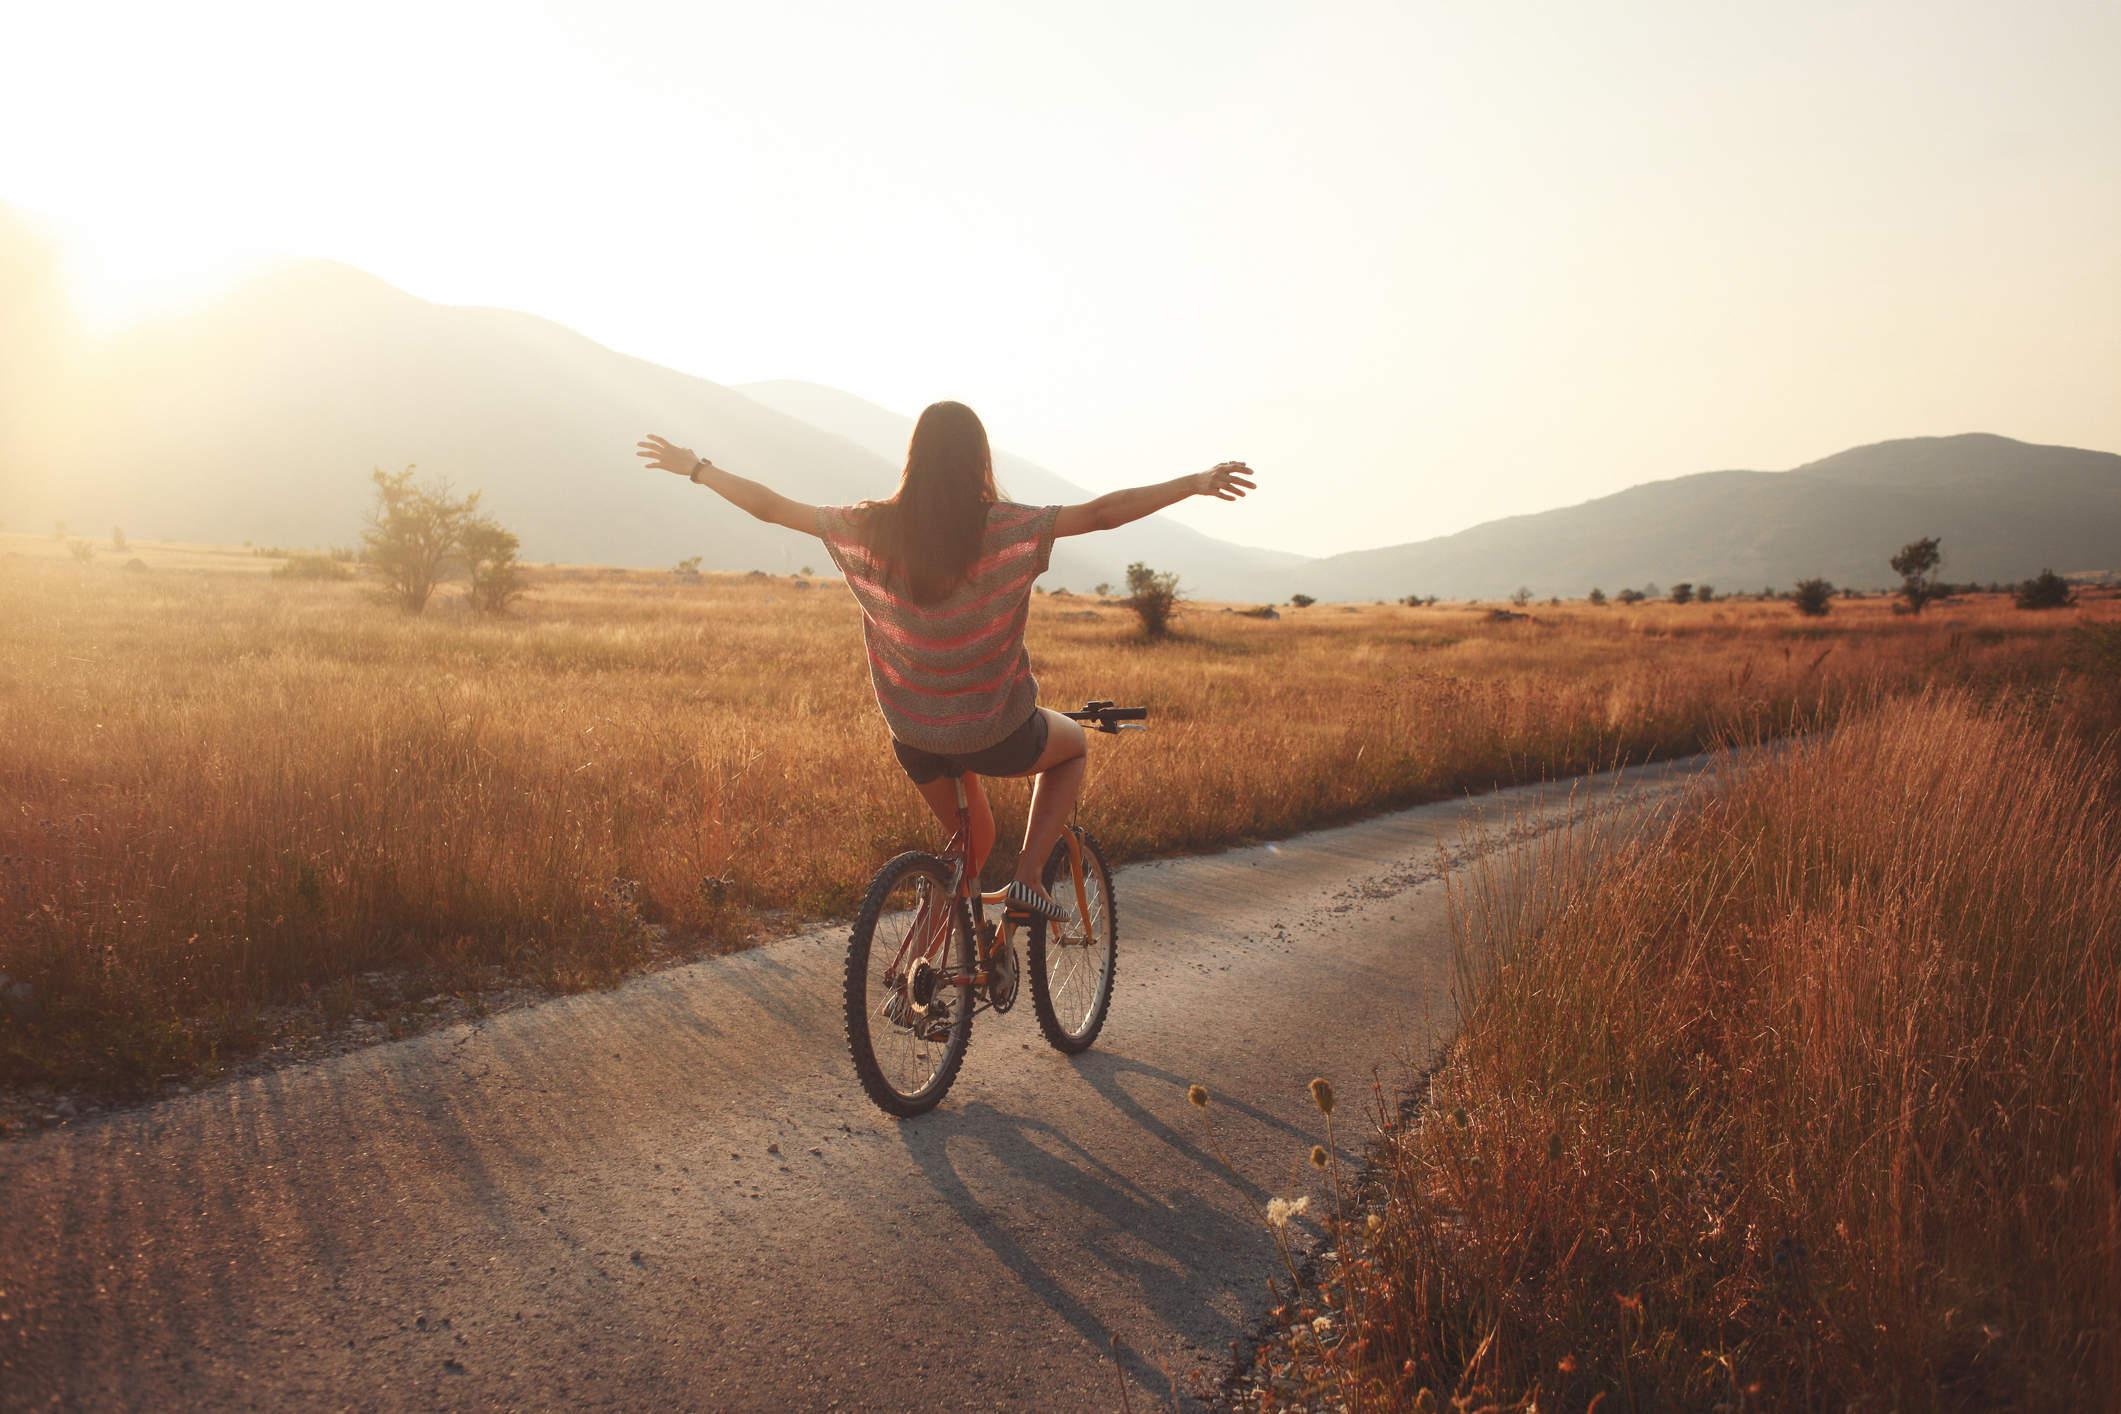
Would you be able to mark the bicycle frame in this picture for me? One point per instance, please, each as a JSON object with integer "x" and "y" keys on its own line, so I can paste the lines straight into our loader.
{"x": 930, "y": 935}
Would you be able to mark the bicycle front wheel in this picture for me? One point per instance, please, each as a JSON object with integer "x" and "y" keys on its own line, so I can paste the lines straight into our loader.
{"x": 908, "y": 1025}
{"x": 1072, "y": 962}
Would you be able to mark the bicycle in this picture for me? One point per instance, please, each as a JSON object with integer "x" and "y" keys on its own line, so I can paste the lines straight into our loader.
{"x": 924, "y": 957}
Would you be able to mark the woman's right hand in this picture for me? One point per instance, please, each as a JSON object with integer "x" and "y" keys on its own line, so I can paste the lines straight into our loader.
{"x": 1225, "y": 481}
{"x": 668, "y": 456}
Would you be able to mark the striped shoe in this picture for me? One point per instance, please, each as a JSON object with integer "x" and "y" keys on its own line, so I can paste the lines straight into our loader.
{"x": 1023, "y": 899}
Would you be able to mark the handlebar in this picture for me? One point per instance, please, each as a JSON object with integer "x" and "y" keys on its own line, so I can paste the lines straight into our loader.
{"x": 1104, "y": 717}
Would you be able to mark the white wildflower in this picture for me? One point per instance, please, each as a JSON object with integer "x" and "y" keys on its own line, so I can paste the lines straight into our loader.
{"x": 1322, "y": 1325}
{"x": 1280, "y": 1210}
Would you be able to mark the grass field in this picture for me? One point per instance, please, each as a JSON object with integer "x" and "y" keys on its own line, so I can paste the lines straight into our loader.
{"x": 236, "y": 804}
{"x": 1813, "y": 1102}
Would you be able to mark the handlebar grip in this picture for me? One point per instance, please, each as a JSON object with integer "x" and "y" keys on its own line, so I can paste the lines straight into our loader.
{"x": 1104, "y": 717}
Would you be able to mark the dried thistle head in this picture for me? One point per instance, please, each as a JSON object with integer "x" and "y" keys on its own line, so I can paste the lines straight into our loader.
{"x": 1319, "y": 1156}
{"x": 1197, "y": 1096}
{"x": 1322, "y": 1094}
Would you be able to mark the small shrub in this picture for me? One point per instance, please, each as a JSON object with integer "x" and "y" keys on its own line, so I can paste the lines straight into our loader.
{"x": 312, "y": 567}
{"x": 412, "y": 531}
{"x": 81, "y": 550}
{"x": 118, "y": 543}
{"x": 689, "y": 567}
{"x": 1813, "y": 598}
{"x": 1153, "y": 597}
{"x": 2047, "y": 590}
{"x": 1598, "y": 598}
{"x": 1521, "y": 597}
{"x": 1916, "y": 564}
{"x": 1631, "y": 597}
{"x": 1103, "y": 591}
{"x": 1706, "y": 593}
{"x": 1682, "y": 593}
{"x": 1301, "y": 601}
{"x": 490, "y": 554}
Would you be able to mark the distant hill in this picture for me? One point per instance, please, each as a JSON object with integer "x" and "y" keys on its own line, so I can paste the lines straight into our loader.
{"x": 1205, "y": 566}
{"x": 260, "y": 418}
{"x": 2004, "y": 510}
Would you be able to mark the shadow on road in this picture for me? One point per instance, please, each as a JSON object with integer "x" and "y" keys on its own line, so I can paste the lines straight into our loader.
{"x": 1097, "y": 1240}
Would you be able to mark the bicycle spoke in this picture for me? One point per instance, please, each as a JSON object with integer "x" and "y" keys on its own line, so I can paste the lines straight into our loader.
{"x": 905, "y": 1019}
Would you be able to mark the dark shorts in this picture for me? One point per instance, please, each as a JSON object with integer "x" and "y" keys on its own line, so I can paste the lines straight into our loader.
{"x": 1013, "y": 755}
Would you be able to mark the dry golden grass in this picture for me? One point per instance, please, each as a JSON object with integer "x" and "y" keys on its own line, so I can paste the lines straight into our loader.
{"x": 1813, "y": 1102}
{"x": 226, "y": 793}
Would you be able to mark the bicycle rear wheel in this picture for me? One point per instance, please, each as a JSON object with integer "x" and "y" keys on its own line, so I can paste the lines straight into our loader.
{"x": 907, "y": 1027}
{"x": 1072, "y": 962}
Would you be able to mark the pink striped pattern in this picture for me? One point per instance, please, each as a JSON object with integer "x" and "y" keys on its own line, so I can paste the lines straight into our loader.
{"x": 952, "y": 676}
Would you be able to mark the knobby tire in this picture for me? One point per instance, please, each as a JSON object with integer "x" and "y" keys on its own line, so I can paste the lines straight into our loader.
{"x": 1104, "y": 930}
{"x": 863, "y": 1001}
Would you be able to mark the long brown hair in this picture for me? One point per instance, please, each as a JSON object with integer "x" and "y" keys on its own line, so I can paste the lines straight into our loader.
{"x": 930, "y": 531}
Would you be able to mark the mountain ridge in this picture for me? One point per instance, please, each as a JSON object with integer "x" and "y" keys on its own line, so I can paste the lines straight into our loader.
{"x": 260, "y": 416}
{"x": 2004, "y": 509}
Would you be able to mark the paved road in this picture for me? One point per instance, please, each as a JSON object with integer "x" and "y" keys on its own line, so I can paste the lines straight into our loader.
{"x": 674, "y": 1196}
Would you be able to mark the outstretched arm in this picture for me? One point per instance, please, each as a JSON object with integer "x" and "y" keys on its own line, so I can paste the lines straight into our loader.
{"x": 763, "y": 502}
{"x": 1226, "y": 481}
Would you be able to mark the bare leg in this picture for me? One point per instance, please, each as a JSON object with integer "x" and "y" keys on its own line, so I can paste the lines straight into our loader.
{"x": 941, "y": 795}
{"x": 1060, "y": 773}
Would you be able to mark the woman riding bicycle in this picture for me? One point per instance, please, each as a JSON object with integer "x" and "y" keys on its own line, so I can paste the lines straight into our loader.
{"x": 943, "y": 573}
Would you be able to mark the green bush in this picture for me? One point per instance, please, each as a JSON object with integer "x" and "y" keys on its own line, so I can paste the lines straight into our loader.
{"x": 1153, "y": 597}
{"x": 490, "y": 553}
{"x": 2046, "y": 590}
{"x": 1813, "y": 598}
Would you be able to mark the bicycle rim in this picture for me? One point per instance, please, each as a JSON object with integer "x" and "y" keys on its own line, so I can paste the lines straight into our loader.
{"x": 907, "y": 1029}
{"x": 1072, "y": 962}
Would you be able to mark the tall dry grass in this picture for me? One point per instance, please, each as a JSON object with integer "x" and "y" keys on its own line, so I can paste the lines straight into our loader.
{"x": 225, "y": 792}
{"x": 1811, "y": 1102}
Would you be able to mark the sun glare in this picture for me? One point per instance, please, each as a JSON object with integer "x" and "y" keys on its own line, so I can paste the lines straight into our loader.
{"x": 120, "y": 276}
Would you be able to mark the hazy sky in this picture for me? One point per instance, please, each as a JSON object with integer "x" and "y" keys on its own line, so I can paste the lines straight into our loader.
{"x": 1422, "y": 264}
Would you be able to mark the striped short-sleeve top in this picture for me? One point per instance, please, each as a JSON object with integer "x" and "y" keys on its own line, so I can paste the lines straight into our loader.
{"x": 952, "y": 676}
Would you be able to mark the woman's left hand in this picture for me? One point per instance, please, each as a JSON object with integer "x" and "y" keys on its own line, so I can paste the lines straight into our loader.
{"x": 1226, "y": 481}
{"x": 665, "y": 455}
